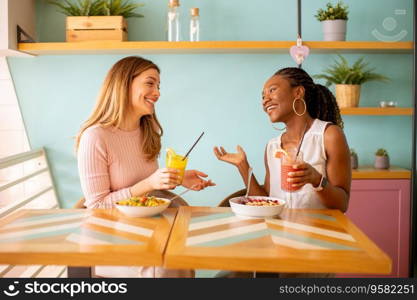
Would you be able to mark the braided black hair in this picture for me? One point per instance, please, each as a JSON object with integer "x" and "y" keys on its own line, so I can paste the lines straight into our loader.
{"x": 320, "y": 101}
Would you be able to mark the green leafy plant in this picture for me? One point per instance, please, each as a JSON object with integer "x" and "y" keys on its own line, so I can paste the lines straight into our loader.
{"x": 353, "y": 152}
{"x": 337, "y": 12}
{"x": 341, "y": 73}
{"x": 98, "y": 8}
{"x": 381, "y": 152}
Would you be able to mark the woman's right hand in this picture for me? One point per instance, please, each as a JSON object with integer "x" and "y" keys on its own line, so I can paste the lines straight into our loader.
{"x": 235, "y": 159}
{"x": 164, "y": 179}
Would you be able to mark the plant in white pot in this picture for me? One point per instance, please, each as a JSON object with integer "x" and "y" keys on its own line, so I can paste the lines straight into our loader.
{"x": 381, "y": 159}
{"x": 333, "y": 20}
{"x": 353, "y": 159}
{"x": 97, "y": 19}
{"x": 348, "y": 80}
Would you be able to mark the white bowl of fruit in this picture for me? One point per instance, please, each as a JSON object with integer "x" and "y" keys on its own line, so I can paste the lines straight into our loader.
{"x": 145, "y": 206}
{"x": 257, "y": 206}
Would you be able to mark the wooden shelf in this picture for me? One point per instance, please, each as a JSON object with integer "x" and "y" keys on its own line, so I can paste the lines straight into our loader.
{"x": 163, "y": 47}
{"x": 377, "y": 111}
{"x": 369, "y": 172}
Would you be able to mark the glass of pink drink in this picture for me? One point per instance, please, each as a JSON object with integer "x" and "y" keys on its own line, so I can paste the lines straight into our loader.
{"x": 287, "y": 163}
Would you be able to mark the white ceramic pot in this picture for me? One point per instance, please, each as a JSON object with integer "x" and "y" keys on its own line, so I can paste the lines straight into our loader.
{"x": 334, "y": 30}
{"x": 354, "y": 161}
{"x": 381, "y": 162}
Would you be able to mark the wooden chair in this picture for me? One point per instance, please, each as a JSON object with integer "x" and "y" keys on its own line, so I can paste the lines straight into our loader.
{"x": 225, "y": 201}
{"x": 169, "y": 195}
{"x": 86, "y": 272}
{"x": 80, "y": 203}
{"x": 45, "y": 197}
{"x": 239, "y": 193}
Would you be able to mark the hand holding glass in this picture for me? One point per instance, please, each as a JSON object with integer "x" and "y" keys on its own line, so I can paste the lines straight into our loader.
{"x": 176, "y": 161}
{"x": 288, "y": 160}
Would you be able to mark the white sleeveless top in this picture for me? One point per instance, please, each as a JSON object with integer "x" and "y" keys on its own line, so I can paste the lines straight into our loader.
{"x": 314, "y": 153}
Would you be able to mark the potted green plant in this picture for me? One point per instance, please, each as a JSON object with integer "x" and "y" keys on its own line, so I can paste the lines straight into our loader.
{"x": 353, "y": 158}
{"x": 333, "y": 20}
{"x": 348, "y": 79}
{"x": 97, "y": 19}
{"x": 381, "y": 159}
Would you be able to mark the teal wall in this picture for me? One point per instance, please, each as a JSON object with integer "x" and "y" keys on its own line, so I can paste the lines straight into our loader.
{"x": 246, "y": 20}
{"x": 216, "y": 93}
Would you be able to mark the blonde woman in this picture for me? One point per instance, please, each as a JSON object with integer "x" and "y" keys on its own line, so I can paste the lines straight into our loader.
{"x": 117, "y": 149}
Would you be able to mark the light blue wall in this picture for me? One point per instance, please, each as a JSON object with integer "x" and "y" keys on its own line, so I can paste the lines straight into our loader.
{"x": 218, "y": 94}
{"x": 247, "y": 20}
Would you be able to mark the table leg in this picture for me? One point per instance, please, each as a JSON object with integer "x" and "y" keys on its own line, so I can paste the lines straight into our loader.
{"x": 79, "y": 272}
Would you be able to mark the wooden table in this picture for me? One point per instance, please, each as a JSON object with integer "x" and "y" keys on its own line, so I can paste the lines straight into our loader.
{"x": 81, "y": 237}
{"x": 200, "y": 238}
{"x": 302, "y": 241}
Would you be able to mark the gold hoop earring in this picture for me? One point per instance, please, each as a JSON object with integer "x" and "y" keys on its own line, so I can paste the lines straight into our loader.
{"x": 279, "y": 129}
{"x": 295, "y": 111}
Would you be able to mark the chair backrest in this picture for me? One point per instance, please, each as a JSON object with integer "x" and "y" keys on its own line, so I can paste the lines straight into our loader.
{"x": 80, "y": 203}
{"x": 26, "y": 183}
{"x": 239, "y": 193}
{"x": 179, "y": 201}
{"x": 225, "y": 201}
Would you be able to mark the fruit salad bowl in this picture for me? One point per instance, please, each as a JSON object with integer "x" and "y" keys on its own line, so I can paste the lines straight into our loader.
{"x": 142, "y": 206}
{"x": 257, "y": 206}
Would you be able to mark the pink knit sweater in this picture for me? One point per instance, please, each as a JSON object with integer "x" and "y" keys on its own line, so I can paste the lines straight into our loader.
{"x": 110, "y": 161}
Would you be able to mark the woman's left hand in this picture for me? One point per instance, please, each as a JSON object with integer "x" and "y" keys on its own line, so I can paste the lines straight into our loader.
{"x": 192, "y": 180}
{"x": 305, "y": 174}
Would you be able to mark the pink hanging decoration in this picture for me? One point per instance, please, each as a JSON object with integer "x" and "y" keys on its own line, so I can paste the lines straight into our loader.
{"x": 299, "y": 52}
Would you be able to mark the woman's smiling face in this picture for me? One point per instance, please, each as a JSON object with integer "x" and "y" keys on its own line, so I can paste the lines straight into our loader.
{"x": 144, "y": 92}
{"x": 277, "y": 98}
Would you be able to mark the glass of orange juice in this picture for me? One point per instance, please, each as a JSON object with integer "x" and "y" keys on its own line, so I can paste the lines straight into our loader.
{"x": 176, "y": 161}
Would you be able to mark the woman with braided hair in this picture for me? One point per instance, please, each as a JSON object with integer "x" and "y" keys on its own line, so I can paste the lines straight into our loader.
{"x": 313, "y": 127}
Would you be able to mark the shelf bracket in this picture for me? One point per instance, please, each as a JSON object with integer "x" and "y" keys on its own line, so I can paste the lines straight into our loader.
{"x": 23, "y": 37}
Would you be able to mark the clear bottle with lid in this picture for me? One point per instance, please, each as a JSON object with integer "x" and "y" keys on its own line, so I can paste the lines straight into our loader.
{"x": 173, "y": 21}
{"x": 195, "y": 25}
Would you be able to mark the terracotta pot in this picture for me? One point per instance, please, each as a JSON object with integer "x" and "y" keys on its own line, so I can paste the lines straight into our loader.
{"x": 381, "y": 162}
{"x": 347, "y": 95}
{"x": 354, "y": 161}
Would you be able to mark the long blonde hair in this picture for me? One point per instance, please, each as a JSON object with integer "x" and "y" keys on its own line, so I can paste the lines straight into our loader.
{"x": 113, "y": 103}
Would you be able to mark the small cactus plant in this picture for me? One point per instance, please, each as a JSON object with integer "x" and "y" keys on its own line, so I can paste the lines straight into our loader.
{"x": 353, "y": 158}
{"x": 381, "y": 159}
{"x": 381, "y": 152}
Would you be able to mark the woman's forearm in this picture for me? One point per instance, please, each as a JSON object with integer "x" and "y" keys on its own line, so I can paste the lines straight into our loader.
{"x": 334, "y": 197}
{"x": 255, "y": 188}
{"x": 140, "y": 188}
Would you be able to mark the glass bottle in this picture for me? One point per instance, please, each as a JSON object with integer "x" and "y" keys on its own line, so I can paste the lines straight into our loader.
{"x": 173, "y": 21}
{"x": 195, "y": 25}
